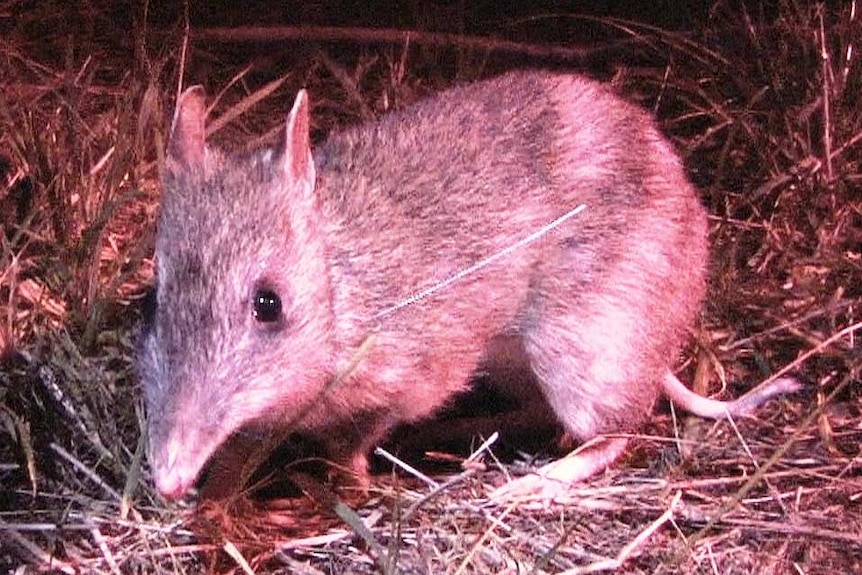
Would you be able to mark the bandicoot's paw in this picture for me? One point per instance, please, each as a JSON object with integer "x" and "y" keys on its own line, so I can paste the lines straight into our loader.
{"x": 554, "y": 479}
{"x": 351, "y": 477}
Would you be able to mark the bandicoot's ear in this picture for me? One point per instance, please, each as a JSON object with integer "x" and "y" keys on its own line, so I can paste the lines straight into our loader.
{"x": 186, "y": 147}
{"x": 298, "y": 165}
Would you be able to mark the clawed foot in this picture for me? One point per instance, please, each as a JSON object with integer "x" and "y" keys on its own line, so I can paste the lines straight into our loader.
{"x": 552, "y": 481}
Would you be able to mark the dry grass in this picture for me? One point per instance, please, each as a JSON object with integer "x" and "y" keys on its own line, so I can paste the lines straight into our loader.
{"x": 767, "y": 110}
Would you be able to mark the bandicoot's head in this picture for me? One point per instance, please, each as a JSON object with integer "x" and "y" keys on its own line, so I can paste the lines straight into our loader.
{"x": 240, "y": 322}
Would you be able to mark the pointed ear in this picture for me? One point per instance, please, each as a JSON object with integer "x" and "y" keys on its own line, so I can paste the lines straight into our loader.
{"x": 187, "y": 143}
{"x": 298, "y": 165}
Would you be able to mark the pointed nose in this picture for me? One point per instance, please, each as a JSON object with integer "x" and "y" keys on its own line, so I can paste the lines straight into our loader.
{"x": 172, "y": 474}
{"x": 172, "y": 486}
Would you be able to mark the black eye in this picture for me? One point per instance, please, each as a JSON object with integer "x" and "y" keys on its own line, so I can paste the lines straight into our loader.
{"x": 267, "y": 306}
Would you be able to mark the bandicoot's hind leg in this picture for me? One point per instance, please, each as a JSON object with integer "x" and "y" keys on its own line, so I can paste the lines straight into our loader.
{"x": 555, "y": 478}
{"x": 597, "y": 379}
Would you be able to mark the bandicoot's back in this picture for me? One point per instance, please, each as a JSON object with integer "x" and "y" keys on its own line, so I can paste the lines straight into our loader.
{"x": 425, "y": 193}
{"x": 280, "y": 276}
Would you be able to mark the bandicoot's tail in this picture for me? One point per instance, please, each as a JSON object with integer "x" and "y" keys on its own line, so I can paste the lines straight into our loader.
{"x": 714, "y": 409}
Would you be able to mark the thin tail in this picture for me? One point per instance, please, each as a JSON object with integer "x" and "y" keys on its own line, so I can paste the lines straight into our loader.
{"x": 714, "y": 409}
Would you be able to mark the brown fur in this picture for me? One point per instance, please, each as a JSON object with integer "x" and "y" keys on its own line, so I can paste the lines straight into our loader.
{"x": 602, "y": 302}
